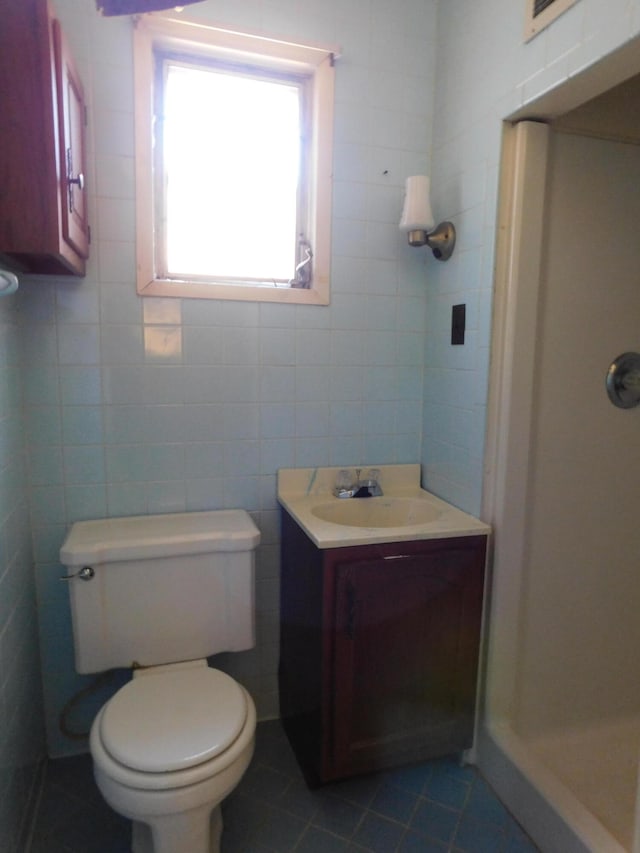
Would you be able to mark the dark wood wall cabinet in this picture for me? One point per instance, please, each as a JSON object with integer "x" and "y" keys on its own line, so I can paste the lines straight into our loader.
{"x": 379, "y": 651}
{"x": 43, "y": 213}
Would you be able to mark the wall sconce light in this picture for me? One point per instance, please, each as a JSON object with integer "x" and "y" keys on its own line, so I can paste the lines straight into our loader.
{"x": 418, "y": 222}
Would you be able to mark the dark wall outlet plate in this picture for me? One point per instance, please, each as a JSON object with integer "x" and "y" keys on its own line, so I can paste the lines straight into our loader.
{"x": 458, "y": 322}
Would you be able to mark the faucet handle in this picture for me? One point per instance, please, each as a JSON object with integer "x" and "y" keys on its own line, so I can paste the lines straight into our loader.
{"x": 344, "y": 484}
{"x": 373, "y": 483}
{"x": 344, "y": 480}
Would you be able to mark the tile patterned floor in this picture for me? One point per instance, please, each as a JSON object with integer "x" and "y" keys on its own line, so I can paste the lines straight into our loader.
{"x": 437, "y": 807}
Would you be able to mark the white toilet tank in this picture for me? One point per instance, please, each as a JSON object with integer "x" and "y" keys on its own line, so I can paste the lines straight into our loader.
{"x": 165, "y": 588}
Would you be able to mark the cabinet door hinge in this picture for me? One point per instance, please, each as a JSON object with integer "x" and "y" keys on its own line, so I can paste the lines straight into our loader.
{"x": 89, "y": 234}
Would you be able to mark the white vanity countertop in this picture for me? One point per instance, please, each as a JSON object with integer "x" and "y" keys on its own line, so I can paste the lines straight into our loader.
{"x": 302, "y": 490}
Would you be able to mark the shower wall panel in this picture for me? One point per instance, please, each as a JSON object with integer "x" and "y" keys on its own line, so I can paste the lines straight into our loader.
{"x": 580, "y": 634}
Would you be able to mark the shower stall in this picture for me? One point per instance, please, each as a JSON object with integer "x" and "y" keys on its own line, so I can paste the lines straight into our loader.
{"x": 560, "y": 740}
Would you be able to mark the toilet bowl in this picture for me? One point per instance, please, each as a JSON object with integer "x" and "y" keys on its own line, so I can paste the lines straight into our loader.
{"x": 168, "y": 748}
{"x": 167, "y": 591}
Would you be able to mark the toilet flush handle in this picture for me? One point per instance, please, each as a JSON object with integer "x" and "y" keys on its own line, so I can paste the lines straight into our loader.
{"x": 86, "y": 573}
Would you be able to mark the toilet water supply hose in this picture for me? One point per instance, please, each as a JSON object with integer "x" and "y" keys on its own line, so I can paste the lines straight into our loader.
{"x": 63, "y": 720}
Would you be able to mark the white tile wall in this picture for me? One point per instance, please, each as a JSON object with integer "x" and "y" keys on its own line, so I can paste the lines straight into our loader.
{"x": 170, "y": 405}
{"x": 194, "y": 405}
{"x": 484, "y": 73}
{"x": 22, "y": 746}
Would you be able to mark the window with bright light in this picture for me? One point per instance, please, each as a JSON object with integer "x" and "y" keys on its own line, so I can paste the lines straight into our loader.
{"x": 242, "y": 153}
{"x": 233, "y": 164}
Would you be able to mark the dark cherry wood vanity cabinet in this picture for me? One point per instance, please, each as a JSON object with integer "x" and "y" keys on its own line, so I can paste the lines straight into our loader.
{"x": 379, "y": 651}
{"x": 43, "y": 216}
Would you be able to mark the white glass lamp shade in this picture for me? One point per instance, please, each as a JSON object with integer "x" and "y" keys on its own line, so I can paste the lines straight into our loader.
{"x": 417, "y": 214}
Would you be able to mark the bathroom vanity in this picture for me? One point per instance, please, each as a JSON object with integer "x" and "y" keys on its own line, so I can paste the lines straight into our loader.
{"x": 380, "y": 626}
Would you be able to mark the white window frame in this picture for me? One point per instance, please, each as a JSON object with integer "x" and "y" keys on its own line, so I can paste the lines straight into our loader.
{"x": 161, "y": 33}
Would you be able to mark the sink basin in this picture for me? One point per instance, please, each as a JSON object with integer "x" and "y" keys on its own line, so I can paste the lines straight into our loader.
{"x": 405, "y": 512}
{"x": 377, "y": 512}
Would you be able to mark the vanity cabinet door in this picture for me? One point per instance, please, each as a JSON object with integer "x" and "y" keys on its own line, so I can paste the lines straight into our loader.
{"x": 406, "y": 634}
{"x": 71, "y": 127}
{"x": 379, "y": 649}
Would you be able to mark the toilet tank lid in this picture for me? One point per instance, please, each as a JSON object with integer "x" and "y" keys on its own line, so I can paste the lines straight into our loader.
{"x": 150, "y": 536}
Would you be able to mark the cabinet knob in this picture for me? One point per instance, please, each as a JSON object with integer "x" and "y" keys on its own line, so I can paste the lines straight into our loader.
{"x": 72, "y": 182}
{"x": 79, "y": 181}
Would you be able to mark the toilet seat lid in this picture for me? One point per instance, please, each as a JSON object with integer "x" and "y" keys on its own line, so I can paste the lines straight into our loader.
{"x": 173, "y": 720}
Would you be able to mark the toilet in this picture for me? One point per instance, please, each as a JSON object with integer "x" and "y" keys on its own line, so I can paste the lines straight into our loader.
{"x": 160, "y": 594}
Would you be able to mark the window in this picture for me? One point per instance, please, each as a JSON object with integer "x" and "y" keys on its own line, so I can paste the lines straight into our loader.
{"x": 233, "y": 164}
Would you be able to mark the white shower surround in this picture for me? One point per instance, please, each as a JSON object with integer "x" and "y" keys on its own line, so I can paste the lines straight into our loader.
{"x": 562, "y": 724}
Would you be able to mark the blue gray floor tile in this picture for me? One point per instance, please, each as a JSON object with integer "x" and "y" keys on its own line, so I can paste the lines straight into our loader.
{"x": 435, "y": 807}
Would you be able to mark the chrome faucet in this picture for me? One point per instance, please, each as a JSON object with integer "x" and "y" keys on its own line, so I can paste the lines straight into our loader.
{"x": 349, "y": 487}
